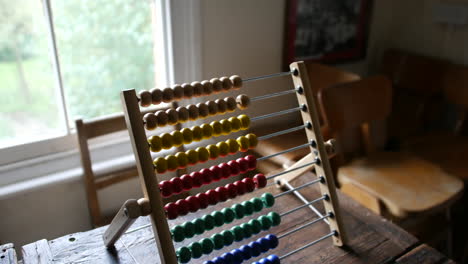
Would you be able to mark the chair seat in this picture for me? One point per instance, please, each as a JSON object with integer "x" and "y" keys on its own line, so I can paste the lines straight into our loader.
{"x": 404, "y": 183}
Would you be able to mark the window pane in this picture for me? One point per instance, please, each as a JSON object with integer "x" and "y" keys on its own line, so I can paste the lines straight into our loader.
{"x": 104, "y": 47}
{"x": 29, "y": 106}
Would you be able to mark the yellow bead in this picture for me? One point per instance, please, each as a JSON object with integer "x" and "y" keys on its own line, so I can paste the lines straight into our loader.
{"x": 217, "y": 128}
{"x": 177, "y": 138}
{"x": 207, "y": 131}
{"x": 243, "y": 143}
{"x": 166, "y": 141}
{"x": 203, "y": 154}
{"x": 233, "y": 146}
{"x": 172, "y": 163}
{"x": 236, "y": 124}
{"x": 253, "y": 141}
{"x": 197, "y": 133}
{"x": 245, "y": 121}
{"x": 160, "y": 164}
{"x": 182, "y": 159}
{"x": 223, "y": 148}
{"x": 192, "y": 157}
{"x": 155, "y": 143}
{"x": 213, "y": 150}
{"x": 188, "y": 135}
{"x": 226, "y": 127}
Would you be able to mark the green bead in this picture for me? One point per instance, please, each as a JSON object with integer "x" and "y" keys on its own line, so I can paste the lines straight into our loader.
{"x": 256, "y": 226}
{"x": 218, "y": 241}
{"x": 207, "y": 246}
{"x": 228, "y": 237}
{"x": 199, "y": 226}
{"x": 247, "y": 229}
{"x": 238, "y": 233}
{"x": 275, "y": 218}
{"x": 258, "y": 204}
{"x": 184, "y": 255}
{"x": 239, "y": 209}
{"x": 266, "y": 222}
{"x": 268, "y": 200}
{"x": 209, "y": 222}
{"x": 189, "y": 229}
{"x": 197, "y": 249}
{"x": 229, "y": 215}
{"x": 178, "y": 233}
{"x": 248, "y": 207}
{"x": 218, "y": 218}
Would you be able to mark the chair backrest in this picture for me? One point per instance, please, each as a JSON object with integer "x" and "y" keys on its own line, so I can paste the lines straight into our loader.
{"x": 455, "y": 88}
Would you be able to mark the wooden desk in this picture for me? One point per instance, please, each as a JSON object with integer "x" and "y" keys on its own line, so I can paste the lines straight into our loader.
{"x": 371, "y": 238}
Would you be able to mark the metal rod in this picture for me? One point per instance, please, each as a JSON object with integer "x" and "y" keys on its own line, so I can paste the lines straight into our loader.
{"x": 288, "y": 171}
{"x": 300, "y": 187}
{"x": 284, "y": 151}
{"x": 304, "y": 226}
{"x": 270, "y": 95}
{"x": 304, "y": 205}
{"x": 303, "y": 199}
{"x": 137, "y": 228}
{"x": 279, "y": 74}
{"x": 282, "y": 132}
{"x": 287, "y": 111}
{"x": 308, "y": 245}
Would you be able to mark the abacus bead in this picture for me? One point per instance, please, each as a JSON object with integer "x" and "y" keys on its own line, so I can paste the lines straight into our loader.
{"x": 192, "y": 156}
{"x": 213, "y": 197}
{"x": 223, "y": 148}
{"x": 166, "y": 188}
{"x": 183, "y": 114}
{"x": 203, "y": 110}
{"x": 223, "y": 193}
{"x": 246, "y": 251}
{"x": 172, "y": 163}
{"x": 218, "y": 241}
{"x": 202, "y": 199}
{"x": 162, "y": 118}
{"x": 189, "y": 229}
{"x": 243, "y": 101}
{"x": 227, "y": 83}
{"x": 253, "y": 141}
{"x": 207, "y": 131}
{"x": 196, "y": 249}
{"x": 155, "y": 143}
{"x": 268, "y": 200}
{"x": 233, "y": 146}
{"x": 207, "y": 246}
{"x": 222, "y": 106}
{"x": 241, "y": 188}
{"x": 260, "y": 180}
{"x": 243, "y": 144}
{"x": 209, "y": 222}
{"x": 197, "y": 179}
{"x": 238, "y": 233}
{"x": 249, "y": 184}
{"x": 256, "y": 248}
{"x": 257, "y": 203}
{"x": 228, "y": 258}
{"x": 265, "y": 244}
{"x": 247, "y": 229}
{"x": 231, "y": 104}
{"x": 243, "y": 165}
{"x": 229, "y": 215}
{"x": 178, "y": 92}
{"x": 265, "y": 221}
{"x": 178, "y": 233}
{"x": 183, "y": 254}
{"x": 173, "y": 116}
{"x": 151, "y": 121}
{"x": 183, "y": 207}
{"x": 232, "y": 190}
{"x": 156, "y": 96}
{"x": 238, "y": 256}
{"x": 182, "y": 159}
{"x": 252, "y": 161}
{"x": 194, "y": 204}
{"x": 199, "y": 226}
{"x": 212, "y": 107}
{"x": 193, "y": 112}
{"x": 160, "y": 164}
{"x": 203, "y": 154}
{"x": 217, "y": 85}
{"x": 207, "y": 87}
{"x": 213, "y": 150}
{"x": 217, "y": 173}
{"x": 145, "y": 98}
{"x": 168, "y": 95}
{"x": 275, "y": 218}
{"x": 177, "y": 138}
{"x": 219, "y": 260}
{"x": 206, "y": 175}
{"x": 166, "y": 141}
{"x": 245, "y": 121}
{"x": 217, "y": 128}
{"x": 239, "y": 209}
{"x": 172, "y": 210}
{"x": 236, "y": 124}
{"x": 256, "y": 226}
{"x": 197, "y": 133}
{"x": 226, "y": 127}
{"x": 228, "y": 237}
{"x": 248, "y": 207}
{"x": 236, "y": 82}
{"x": 187, "y": 135}
{"x": 197, "y": 89}
{"x": 188, "y": 90}
{"x": 177, "y": 185}
{"x": 225, "y": 170}
{"x": 273, "y": 240}
{"x": 274, "y": 259}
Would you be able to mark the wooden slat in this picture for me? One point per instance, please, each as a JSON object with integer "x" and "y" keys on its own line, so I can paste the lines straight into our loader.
{"x": 38, "y": 253}
{"x": 424, "y": 254}
{"x": 8, "y": 254}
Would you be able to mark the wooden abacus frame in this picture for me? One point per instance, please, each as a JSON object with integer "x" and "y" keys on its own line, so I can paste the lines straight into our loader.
{"x": 152, "y": 203}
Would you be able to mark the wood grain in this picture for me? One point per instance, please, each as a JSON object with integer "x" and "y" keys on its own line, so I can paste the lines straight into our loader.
{"x": 8, "y": 254}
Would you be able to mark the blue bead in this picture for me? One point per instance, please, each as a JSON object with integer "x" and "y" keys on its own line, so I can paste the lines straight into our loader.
{"x": 208, "y": 262}
{"x": 238, "y": 256}
{"x": 256, "y": 248}
{"x": 273, "y": 240}
{"x": 218, "y": 260}
{"x": 228, "y": 258}
{"x": 264, "y": 261}
{"x": 246, "y": 251}
{"x": 265, "y": 243}
{"x": 274, "y": 259}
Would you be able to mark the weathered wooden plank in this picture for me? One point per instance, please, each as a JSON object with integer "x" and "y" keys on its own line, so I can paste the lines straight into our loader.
{"x": 8, "y": 254}
{"x": 38, "y": 252}
{"x": 424, "y": 254}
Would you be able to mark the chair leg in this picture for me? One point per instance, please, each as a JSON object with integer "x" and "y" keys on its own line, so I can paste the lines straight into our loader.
{"x": 448, "y": 217}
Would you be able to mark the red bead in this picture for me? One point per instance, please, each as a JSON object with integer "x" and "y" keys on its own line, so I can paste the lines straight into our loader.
{"x": 243, "y": 165}
{"x": 166, "y": 188}
{"x": 223, "y": 193}
{"x": 187, "y": 182}
{"x": 177, "y": 185}
{"x": 241, "y": 187}
{"x": 232, "y": 190}
{"x": 202, "y": 200}
{"x": 172, "y": 210}
{"x": 207, "y": 176}
{"x": 252, "y": 161}
{"x": 216, "y": 173}
{"x": 225, "y": 170}
{"x": 197, "y": 179}
{"x": 260, "y": 180}
{"x": 249, "y": 184}
{"x": 183, "y": 207}
{"x": 213, "y": 197}
{"x": 234, "y": 166}
{"x": 194, "y": 204}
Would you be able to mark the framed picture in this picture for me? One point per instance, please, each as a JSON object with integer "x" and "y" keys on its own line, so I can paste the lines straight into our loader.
{"x": 327, "y": 31}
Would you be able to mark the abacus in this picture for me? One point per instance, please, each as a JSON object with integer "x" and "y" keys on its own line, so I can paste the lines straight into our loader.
{"x": 242, "y": 212}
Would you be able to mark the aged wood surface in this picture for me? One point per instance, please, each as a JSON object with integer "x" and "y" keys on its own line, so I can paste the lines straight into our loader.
{"x": 424, "y": 254}
{"x": 371, "y": 238}
{"x": 8, "y": 254}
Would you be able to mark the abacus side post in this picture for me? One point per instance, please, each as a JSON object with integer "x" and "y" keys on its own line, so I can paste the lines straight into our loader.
{"x": 128, "y": 213}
